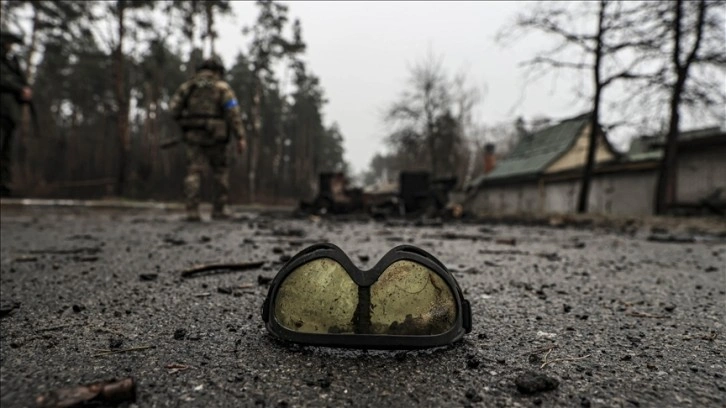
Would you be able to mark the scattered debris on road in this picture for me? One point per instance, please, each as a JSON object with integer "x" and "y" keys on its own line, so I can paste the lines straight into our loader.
{"x": 109, "y": 392}
{"x": 176, "y": 367}
{"x": 174, "y": 241}
{"x": 106, "y": 352}
{"x": 7, "y": 308}
{"x": 213, "y": 269}
{"x": 673, "y": 239}
{"x": 455, "y": 235}
{"x": 71, "y": 251}
{"x": 289, "y": 232}
{"x": 507, "y": 241}
{"x": 236, "y": 290}
{"x": 636, "y": 313}
{"x": 25, "y": 258}
{"x": 546, "y": 361}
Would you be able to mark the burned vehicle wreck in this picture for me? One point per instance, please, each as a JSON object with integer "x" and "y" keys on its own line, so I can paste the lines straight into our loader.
{"x": 416, "y": 194}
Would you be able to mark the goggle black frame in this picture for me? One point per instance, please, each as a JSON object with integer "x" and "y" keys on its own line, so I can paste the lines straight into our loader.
{"x": 366, "y": 278}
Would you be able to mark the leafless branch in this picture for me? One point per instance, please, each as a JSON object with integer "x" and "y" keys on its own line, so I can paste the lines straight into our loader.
{"x": 699, "y": 35}
{"x": 542, "y": 60}
{"x": 545, "y": 23}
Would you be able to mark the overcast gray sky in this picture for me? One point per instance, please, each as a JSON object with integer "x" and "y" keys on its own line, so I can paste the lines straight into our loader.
{"x": 361, "y": 51}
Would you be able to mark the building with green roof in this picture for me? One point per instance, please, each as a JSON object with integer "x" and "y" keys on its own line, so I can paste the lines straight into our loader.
{"x": 542, "y": 173}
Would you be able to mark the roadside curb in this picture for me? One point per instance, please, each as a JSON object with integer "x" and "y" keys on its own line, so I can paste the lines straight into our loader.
{"x": 125, "y": 204}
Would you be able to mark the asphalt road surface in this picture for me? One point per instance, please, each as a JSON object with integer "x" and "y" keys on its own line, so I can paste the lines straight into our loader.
{"x": 608, "y": 318}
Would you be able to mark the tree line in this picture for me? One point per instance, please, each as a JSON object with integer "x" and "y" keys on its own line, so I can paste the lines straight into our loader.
{"x": 103, "y": 73}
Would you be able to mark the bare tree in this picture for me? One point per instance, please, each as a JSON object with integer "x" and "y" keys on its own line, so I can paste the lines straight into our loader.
{"x": 696, "y": 32}
{"x": 414, "y": 114}
{"x": 432, "y": 116}
{"x": 122, "y": 98}
{"x": 614, "y": 38}
{"x": 465, "y": 100}
{"x": 122, "y": 11}
{"x": 212, "y": 7}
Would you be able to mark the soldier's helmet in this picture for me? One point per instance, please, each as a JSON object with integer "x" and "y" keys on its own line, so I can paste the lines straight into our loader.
{"x": 213, "y": 64}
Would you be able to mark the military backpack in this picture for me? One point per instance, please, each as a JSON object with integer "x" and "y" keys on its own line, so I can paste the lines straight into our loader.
{"x": 202, "y": 118}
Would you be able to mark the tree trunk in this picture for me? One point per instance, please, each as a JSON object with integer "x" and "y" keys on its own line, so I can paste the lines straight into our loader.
{"x": 32, "y": 48}
{"x": 666, "y": 187}
{"x": 253, "y": 141}
{"x": 25, "y": 119}
{"x": 431, "y": 141}
{"x": 666, "y": 172}
{"x": 122, "y": 103}
{"x": 211, "y": 34}
{"x": 313, "y": 155}
{"x": 582, "y": 202}
{"x": 432, "y": 152}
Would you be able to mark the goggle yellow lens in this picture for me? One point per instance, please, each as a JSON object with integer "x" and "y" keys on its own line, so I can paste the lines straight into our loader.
{"x": 410, "y": 299}
{"x": 317, "y": 297}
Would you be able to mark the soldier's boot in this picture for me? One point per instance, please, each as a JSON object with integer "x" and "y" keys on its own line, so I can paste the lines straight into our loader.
{"x": 193, "y": 214}
{"x": 193, "y": 217}
{"x": 221, "y": 191}
{"x": 191, "y": 189}
{"x": 220, "y": 214}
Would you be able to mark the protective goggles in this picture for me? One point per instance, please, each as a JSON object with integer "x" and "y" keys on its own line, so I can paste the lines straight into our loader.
{"x": 408, "y": 300}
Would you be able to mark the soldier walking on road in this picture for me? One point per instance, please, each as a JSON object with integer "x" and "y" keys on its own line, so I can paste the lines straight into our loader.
{"x": 207, "y": 110}
{"x": 14, "y": 91}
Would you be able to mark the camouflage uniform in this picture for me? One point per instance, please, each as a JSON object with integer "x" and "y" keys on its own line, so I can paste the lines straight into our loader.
{"x": 12, "y": 82}
{"x": 205, "y": 106}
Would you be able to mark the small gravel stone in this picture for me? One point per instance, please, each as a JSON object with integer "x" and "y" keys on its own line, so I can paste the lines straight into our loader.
{"x": 533, "y": 383}
{"x": 179, "y": 334}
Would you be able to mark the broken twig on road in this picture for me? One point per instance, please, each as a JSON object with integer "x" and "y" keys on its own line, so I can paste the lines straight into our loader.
{"x": 176, "y": 367}
{"x": 635, "y": 313}
{"x": 213, "y": 269}
{"x": 105, "y": 352}
{"x": 110, "y": 331}
{"x": 558, "y": 360}
{"x": 454, "y": 236}
{"x": 101, "y": 392}
{"x": 61, "y": 326}
{"x": 25, "y": 258}
{"x": 704, "y": 336}
{"x": 541, "y": 350}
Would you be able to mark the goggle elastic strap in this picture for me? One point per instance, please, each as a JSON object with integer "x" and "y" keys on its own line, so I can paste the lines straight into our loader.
{"x": 466, "y": 314}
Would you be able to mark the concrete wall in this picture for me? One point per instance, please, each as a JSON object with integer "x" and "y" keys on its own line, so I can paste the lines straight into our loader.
{"x": 517, "y": 198}
{"x": 626, "y": 192}
{"x": 561, "y": 197}
{"x": 623, "y": 193}
{"x": 700, "y": 173}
